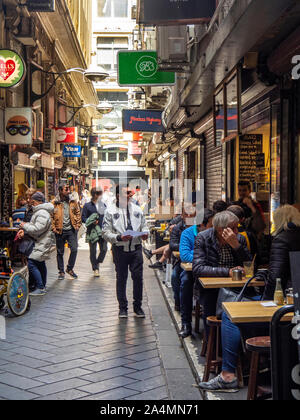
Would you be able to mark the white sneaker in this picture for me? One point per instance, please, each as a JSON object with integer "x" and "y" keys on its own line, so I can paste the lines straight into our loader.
{"x": 96, "y": 273}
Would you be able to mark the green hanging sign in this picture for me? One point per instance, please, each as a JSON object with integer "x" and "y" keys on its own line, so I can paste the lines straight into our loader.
{"x": 140, "y": 68}
{"x": 12, "y": 69}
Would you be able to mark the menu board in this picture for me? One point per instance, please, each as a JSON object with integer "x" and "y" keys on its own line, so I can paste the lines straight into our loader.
{"x": 250, "y": 148}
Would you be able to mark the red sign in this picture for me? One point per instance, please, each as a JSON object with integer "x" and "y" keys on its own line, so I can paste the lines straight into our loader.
{"x": 67, "y": 135}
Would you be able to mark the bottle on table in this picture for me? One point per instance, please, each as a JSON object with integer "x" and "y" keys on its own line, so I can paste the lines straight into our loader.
{"x": 279, "y": 296}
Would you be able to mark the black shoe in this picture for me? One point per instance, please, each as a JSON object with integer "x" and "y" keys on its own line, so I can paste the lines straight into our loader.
{"x": 157, "y": 266}
{"x": 148, "y": 253}
{"x": 72, "y": 274}
{"x": 139, "y": 313}
{"x": 123, "y": 313}
{"x": 186, "y": 331}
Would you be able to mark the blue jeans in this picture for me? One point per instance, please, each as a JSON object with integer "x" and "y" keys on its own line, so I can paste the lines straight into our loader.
{"x": 186, "y": 297}
{"x": 231, "y": 342}
{"x": 38, "y": 272}
{"x": 177, "y": 270}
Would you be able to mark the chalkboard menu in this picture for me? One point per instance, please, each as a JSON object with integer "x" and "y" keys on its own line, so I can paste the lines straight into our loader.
{"x": 250, "y": 147}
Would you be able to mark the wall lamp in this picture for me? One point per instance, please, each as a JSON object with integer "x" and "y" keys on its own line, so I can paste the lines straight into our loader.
{"x": 78, "y": 108}
{"x": 93, "y": 75}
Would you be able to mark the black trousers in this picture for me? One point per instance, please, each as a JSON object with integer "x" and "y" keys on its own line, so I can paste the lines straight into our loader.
{"x": 69, "y": 236}
{"x": 95, "y": 261}
{"x": 134, "y": 262}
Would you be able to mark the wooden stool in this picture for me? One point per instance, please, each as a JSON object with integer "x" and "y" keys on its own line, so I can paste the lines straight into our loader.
{"x": 213, "y": 347}
{"x": 197, "y": 317}
{"x": 257, "y": 346}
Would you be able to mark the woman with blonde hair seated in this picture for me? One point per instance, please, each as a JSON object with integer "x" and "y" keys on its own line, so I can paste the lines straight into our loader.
{"x": 286, "y": 240}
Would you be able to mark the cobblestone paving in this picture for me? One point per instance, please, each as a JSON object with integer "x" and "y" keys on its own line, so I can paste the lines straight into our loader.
{"x": 71, "y": 345}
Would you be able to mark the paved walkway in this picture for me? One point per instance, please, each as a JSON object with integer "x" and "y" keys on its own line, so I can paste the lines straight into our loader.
{"x": 71, "y": 345}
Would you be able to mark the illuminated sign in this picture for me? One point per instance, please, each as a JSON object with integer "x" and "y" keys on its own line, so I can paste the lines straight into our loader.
{"x": 72, "y": 151}
{"x": 142, "y": 121}
{"x": 12, "y": 69}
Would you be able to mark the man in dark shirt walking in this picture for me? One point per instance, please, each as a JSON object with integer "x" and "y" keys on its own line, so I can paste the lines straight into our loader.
{"x": 96, "y": 206}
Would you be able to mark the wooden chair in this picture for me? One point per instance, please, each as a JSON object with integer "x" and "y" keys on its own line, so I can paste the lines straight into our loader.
{"x": 258, "y": 346}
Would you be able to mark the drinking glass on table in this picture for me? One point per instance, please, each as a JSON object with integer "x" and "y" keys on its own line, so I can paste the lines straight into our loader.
{"x": 249, "y": 269}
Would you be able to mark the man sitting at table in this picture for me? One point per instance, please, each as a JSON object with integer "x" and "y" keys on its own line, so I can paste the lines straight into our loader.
{"x": 186, "y": 248}
{"x": 188, "y": 212}
{"x": 217, "y": 252}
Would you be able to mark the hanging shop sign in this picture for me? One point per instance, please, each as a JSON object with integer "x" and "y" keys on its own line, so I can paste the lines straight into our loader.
{"x": 12, "y": 69}
{"x": 140, "y": 68}
{"x": 5, "y": 183}
{"x": 47, "y": 161}
{"x": 68, "y": 135}
{"x": 142, "y": 121}
{"x": 134, "y": 149}
{"x": 159, "y": 12}
{"x": 18, "y": 126}
{"x": 71, "y": 151}
{"x": 94, "y": 140}
{"x": 40, "y": 5}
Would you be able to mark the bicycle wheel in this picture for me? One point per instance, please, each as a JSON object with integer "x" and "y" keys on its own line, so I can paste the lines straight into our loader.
{"x": 17, "y": 294}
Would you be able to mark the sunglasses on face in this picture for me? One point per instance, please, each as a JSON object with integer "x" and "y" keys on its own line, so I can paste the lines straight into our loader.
{"x": 23, "y": 130}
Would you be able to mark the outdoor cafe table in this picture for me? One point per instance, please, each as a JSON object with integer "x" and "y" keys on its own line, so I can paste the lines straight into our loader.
{"x": 251, "y": 312}
{"x": 220, "y": 282}
{"x": 187, "y": 266}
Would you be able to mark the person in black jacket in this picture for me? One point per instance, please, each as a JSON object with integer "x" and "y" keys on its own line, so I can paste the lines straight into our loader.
{"x": 96, "y": 206}
{"x": 217, "y": 252}
{"x": 286, "y": 240}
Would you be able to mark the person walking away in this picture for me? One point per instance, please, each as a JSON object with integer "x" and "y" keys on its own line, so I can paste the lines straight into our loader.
{"x": 187, "y": 280}
{"x": 39, "y": 229}
{"x": 127, "y": 251}
{"x": 95, "y": 207}
{"x": 66, "y": 223}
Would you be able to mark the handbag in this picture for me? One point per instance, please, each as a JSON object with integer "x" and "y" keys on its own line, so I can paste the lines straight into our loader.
{"x": 26, "y": 246}
{"x": 229, "y": 295}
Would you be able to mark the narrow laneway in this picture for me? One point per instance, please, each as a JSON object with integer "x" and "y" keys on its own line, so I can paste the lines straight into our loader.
{"x": 72, "y": 344}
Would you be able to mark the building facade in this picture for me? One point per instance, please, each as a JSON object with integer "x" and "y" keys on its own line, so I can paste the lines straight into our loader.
{"x": 40, "y": 39}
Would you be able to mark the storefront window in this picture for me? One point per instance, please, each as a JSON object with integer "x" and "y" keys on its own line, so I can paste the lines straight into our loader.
{"x": 232, "y": 107}
{"x": 219, "y": 118}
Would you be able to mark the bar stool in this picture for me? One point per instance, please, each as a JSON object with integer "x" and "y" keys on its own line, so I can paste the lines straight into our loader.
{"x": 258, "y": 346}
{"x": 213, "y": 359}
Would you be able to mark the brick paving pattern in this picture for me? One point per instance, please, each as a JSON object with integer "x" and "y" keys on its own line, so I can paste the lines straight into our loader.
{"x": 71, "y": 345}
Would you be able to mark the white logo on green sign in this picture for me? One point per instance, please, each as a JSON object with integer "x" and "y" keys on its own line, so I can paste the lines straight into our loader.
{"x": 12, "y": 69}
{"x": 147, "y": 66}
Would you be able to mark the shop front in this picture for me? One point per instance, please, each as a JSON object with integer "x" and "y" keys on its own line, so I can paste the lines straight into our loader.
{"x": 249, "y": 126}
